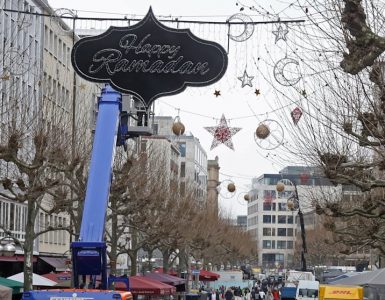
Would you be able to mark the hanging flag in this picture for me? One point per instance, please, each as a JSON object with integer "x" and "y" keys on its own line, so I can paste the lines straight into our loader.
{"x": 296, "y": 114}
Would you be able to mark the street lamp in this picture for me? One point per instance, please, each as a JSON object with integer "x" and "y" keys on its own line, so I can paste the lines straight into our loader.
{"x": 293, "y": 204}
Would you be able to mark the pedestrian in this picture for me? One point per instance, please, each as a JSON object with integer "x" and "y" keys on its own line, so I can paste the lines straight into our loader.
{"x": 252, "y": 294}
{"x": 229, "y": 294}
{"x": 275, "y": 294}
{"x": 261, "y": 294}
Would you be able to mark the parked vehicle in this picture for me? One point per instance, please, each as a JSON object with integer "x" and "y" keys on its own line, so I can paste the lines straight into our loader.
{"x": 288, "y": 293}
{"x": 307, "y": 290}
{"x": 340, "y": 292}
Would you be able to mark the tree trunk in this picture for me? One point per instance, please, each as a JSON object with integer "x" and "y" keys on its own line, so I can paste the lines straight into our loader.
{"x": 114, "y": 236}
{"x": 166, "y": 258}
{"x": 28, "y": 245}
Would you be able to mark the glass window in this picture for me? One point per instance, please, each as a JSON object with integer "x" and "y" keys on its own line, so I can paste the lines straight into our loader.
{"x": 183, "y": 169}
{"x": 266, "y": 219}
{"x": 182, "y": 149}
{"x": 268, "y": 195}
{"x": 290, "y": 219}
{"x": 281, "y": 244}
{"x": 289, "y": 231}
{"x": 281, "y": 231}
{"x": 281, "y": 219}
{"x": 289, "y": 244}
{"x": 266, "y": 244}
{"x": 266, "y": 231}
{"x": 282, "y": 206}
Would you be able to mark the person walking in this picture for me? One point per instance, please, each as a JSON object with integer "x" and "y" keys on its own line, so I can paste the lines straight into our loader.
{"x": 229, "y": 294}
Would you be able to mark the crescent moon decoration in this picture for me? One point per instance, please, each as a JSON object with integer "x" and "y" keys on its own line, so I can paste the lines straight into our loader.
{"x": 280, "y": 71}
{"x": 248, "y": 27}
{"x": 275, "y": 137}
{"x": 223, "y": 191}
{"x": 57, "y": 18}
{"x": 19, "y": 62}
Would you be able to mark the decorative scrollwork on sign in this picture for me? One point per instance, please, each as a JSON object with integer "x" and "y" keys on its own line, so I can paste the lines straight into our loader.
{"x": 269, "y": 134}
{"x": 281, "y": 71}
{"x": 247, "y": 27}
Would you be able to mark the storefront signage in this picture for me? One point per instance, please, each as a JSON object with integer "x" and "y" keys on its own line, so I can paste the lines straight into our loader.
{"x": 149, "y": 60}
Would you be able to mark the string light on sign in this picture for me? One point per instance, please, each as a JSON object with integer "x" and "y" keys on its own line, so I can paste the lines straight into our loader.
{"x": 222, "y": 134}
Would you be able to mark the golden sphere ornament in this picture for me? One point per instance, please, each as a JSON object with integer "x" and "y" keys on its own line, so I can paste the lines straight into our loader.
{"x": 280, "y": 187}
{"x": 246, "y": 197}
{"x": 231, "y": 187}
{"x": 178, "y": 127}
{"x": 290, "y": 204}
{"x": 263, "y": 131}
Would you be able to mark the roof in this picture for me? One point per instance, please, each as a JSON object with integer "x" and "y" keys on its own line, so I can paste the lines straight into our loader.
{"x": 59, "y": 263}
{"x": 16, "y": 286}
{"x": 166, "y": 278}
{"x": 140, "y": 285}
{"x": 37, "y": 280}
{"x": 373, "y": 278}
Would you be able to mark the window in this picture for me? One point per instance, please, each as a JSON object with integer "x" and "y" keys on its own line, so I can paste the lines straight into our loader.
{"x": 268, "y": 206}
{"x": 282, "y": 206}
{"x": 266, "y": 244}
{"x": 290, "y": 219}
{"x": 281, "y": 231}
{"x": 289, "y": 231}
{"x": 289, "y": 244}
{"x": 182, "y": 149}
{"x": 266, "y": 231}
{"x": 281, "y": 219}
{"x": 281, "y": 244}
{"x": 183, "y": 169}
{"x": 266, "y": 219}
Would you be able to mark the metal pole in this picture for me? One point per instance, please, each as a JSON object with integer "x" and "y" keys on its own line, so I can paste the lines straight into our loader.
{"x": 303, "y": 233}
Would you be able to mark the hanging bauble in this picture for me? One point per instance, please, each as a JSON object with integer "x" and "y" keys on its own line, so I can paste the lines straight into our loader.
{"x": 246, "y": 197}
{"x": 178, "y": 127}
{"x": 262, "y": 131}
{"x": 231, "y": 187}
{"x": 280, "y": 187}
{"x": 290, "y": 204}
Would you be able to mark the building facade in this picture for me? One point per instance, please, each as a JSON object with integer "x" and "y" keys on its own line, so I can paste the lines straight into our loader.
{"x": 193, "y": 159}
{"x": 270, "y": 222}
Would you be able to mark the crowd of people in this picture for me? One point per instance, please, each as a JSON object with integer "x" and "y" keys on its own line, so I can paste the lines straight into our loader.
{"x": 262, "y": 290}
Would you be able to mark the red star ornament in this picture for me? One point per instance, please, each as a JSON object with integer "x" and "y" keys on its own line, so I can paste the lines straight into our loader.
{"x": 222, "y": 134}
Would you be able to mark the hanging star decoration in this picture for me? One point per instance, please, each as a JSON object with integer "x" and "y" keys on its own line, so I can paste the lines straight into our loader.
{"x": 280, "y": 33}
{"x": 296, "y": 114}
{"x": 82, "y": 86}
{"x": 257, "y": 92}
{"x": 246, "y": 79}
{"x": 222, "y": 134}
{"x": 217, "y": 93}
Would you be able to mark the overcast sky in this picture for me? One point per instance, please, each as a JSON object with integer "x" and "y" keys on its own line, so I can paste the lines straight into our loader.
{"x": 198, "y": 107}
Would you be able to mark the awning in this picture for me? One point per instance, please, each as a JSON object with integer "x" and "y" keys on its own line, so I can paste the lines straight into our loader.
{"x": 37, "y": 280}
{"x": 16, "y": 286}
{"x": 15, "y": 258}
{"x": 62, "y": 277}
{"x": 59, "y": 263}
{"x": 208, "y": 276}
{"x": 170, "y": 272}
{"x": 145, "y": 286}
{"x": 166, "y": 278}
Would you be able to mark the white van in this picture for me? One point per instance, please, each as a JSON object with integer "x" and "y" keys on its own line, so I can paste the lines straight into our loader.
{"x": 307, "y": 290}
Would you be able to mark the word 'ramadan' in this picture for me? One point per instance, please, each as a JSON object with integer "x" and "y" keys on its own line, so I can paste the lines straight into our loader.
{"x": 113, "y": 61}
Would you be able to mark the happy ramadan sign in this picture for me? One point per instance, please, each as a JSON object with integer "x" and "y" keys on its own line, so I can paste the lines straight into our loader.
{"x": 149, "y": 60}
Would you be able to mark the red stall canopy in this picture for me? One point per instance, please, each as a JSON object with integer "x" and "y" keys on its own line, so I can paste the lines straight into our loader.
{"x": 140, "y": 285}
{"x": 170, "y": 272}
{"x": 166, "y": 278}
{"x": 208, "y": 276}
